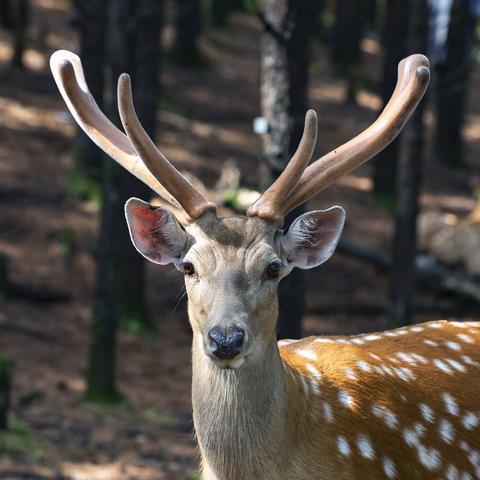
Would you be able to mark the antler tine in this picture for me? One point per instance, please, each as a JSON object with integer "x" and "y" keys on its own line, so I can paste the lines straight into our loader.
{"x": 270, "y": 204}
{"x": 413, "y": 79}
{"x": 69, "y": 77}
{"x": 192, "y": 201}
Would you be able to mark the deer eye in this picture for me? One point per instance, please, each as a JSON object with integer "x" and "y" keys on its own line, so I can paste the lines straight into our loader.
{"x": 273, "y": 270}
{"x": 187, "y": 268}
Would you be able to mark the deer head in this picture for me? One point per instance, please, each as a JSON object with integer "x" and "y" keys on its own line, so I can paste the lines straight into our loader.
{"x": 233, "y": 265}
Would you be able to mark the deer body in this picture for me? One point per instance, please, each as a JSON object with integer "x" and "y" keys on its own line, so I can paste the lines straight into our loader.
{"x": 400, "y": 404}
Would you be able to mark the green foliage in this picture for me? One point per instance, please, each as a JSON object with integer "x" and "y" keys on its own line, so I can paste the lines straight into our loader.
{"x": 138, "y": 323}
{"x": 387, "y": 202}
{"x": 197, "y": 476}
{"x": 67, "y": 240}
{"x": 18, "y": 439}
{"x": 86, "y": 188}
{"x": 252, "y": 6}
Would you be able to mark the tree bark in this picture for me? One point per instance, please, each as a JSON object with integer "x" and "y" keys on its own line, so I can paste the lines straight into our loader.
{"x": 346, "y": 38}
{"x": 21, "y": 14}
{"x": 452, "y": 85}
{"x": 385, "y": 163}
{"x": 408, "y": 186}
{"x": 188, "y": 26}
{"x": 93, "y": 15}
{"x": 120, "y": 292}
{"x": 284, "y": 80}
{"x": 5, "y": 387}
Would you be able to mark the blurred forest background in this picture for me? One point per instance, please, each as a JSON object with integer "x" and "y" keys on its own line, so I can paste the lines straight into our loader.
{"x": 95, "y": 343}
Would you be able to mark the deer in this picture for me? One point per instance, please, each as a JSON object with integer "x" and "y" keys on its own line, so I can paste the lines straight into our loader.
{"x": 399, "y": 404}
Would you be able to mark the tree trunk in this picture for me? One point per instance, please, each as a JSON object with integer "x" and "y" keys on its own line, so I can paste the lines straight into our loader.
{"x": 120, "y": 278}
{"x": 408, "y": 186}
{"x": 452, "y": 85}
{"x": 93, "y": 20}
{"x": 346, "y": 38}
{"x": 188, "y": 27}
{"x": 284, "y": 81}
{"x": 385, "y": 163}
{"x": 21, "y": 11}
{"x": 5, "y": 387}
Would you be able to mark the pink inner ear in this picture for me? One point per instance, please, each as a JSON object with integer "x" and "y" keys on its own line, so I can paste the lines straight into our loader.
{"x": 148, "y": 233}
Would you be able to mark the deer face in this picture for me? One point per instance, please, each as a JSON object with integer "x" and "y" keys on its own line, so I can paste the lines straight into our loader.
{"x": 232, "y": 267}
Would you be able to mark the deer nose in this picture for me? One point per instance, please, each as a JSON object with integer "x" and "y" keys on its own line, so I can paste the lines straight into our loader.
{"x": 226, "y": 344}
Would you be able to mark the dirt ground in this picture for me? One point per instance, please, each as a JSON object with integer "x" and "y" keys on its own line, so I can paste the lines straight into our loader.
{"x": 206, "y": 119}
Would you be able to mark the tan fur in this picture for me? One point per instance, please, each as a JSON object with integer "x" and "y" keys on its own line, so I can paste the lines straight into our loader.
{"x": 322, "y": 408}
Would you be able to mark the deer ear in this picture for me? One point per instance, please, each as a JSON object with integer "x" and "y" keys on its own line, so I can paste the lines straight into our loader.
{"x": 312, "y": 237}
{"x": 155, "y": 232}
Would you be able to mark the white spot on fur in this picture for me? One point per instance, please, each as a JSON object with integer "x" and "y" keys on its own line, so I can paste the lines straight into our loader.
{"x": 343, "y": 446}
{"x": 470, "y": 361}
{"x": 387, "y": 415}
{"x": 452, "y": 473}
{"x": 429, "y": 457}
{"x": 427, "y": 413}
{"x": 375, "y": 356}
{"x": 389, "y": 468}
{"x": 345, "y": 399}
{"x": 324, "y": 340}
{"x": 307, "y": 354}
{"x": 465, "y": 338}
{"x": 371, "y": 338}
{"x": 436, "y": 325}
{"x": 365, "y": 366}
{"x": 406, "y": 357}
{"x": 470, "y": 420}
{"x": 412, "y": 435}
{"x": 313, "y": 371}
{"x": 349, "y": 373}
{"x": 453, "y": 346}
{"x": 441, "y": 365}
{"x": 446, "y": 431}
{"x": 451, "y": 404}
{"x": 417, "y": 329}
{"x": 327, "y": 412}
{"x": 358, "y": 341}
{"x": 419, "y": 358}
{"x": 387, "y": 370}
{"x": 431, "y": 343}
{"x": 456, "y": 365}
{"x": 365, "y": 447}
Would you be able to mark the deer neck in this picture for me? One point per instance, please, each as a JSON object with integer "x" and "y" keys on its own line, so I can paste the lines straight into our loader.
{"x": 240, "y": 415}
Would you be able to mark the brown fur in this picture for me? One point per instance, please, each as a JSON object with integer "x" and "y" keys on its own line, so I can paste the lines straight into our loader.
{"x": 271, "y": 417}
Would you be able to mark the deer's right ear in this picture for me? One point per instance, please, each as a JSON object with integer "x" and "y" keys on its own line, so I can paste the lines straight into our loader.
{"x": 155, "y": 232}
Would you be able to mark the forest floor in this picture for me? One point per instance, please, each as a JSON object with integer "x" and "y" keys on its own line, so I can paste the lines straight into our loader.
{"x": 49, "y": 235}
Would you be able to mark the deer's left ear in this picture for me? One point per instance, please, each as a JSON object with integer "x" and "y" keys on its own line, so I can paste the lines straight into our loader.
{"x": 312, "y": 238}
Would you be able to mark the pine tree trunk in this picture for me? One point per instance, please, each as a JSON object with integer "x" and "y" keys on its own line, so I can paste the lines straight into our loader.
{"x": 284, "y": 81}
{"x": 188, "y": 27}
{"x": 120, "y": 293}
{"x": 408, "y": 185}
{"x": 93, "y": 20}
{"x": 5, "y": 388}
{"x": 385, "y": 163}
{"x": 21, "y": 13}
{"x": 452, "y": 85}
{"x": 346, "y": 38}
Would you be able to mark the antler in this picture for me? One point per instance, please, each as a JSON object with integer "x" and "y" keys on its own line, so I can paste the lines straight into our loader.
{"x": 269, "y": 205}
{"x": 136, "y": 153}
{"x": 413, "y": 78}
